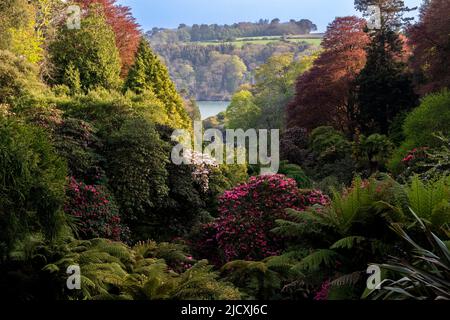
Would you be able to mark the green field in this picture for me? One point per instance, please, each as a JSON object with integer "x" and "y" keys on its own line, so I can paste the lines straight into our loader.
{"x": 239, "y": 42}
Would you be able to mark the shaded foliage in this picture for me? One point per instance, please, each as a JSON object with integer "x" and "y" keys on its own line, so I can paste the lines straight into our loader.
{"x": 431, "y": 46}
{"x": 32, "y": 188}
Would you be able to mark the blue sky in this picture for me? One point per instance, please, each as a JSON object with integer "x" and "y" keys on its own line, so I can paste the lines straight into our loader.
{"x": 170, "y": 13}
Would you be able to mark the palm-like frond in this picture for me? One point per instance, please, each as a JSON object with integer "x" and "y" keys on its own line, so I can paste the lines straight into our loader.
{"x": 258, "y": 279}
{"x": 113, "y": 271}
{"x": 317, "y": 259}
{"x": 348, "y": 242}
{"x": 425, "y": 198}
{"x": 348, "y": 279}
{"x": 427, "y": 276}
{"x": 200, "y": 283}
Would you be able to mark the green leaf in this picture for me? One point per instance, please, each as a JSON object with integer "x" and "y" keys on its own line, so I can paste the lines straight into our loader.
{"x": 348, "y": 242}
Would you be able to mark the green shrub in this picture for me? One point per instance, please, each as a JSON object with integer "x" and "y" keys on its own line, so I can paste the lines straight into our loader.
{"x": 180, "y": 210}
{"x": 373, "y": 152}
{"x": 186, "y": 202}
{"x": 108, "y": 109}
{"x": 17, "y": 77}
{"x": 295, "y": 172}
{"x": 422, "y": 125}
{"x": 32, "y": 183}
{"x": 86, "y": 58}
{"x": 429, "y": 163}
{"x": 136, "y": 168}
{"x": 431, "y": 117}
{"x": 326, "y": 154}
{"x": 225, "y": 177}
{"x": 329, "y": 144}
{"x": 76, "y": 141}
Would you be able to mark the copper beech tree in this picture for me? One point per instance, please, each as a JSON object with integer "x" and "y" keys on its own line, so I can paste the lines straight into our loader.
{"x": 325, "y": 95}
{"x": 431, "y": 46}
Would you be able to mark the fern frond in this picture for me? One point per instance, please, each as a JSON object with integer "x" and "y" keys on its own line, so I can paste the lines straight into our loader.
{"x": 317, "y": 259}
{"x": 348, "y": 279}
{"x": 348, "y": 242}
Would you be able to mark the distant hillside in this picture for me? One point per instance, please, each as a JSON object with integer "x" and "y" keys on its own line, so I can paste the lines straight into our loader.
{"x": 215, "y": 32}
{"x": 312, "y": 38}
{"x": 214, "y": 71}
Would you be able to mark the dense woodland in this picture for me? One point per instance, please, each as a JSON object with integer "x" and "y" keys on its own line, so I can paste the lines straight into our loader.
{"x": 205, "y": 32}
{"x": 86, "y": 119}
{"x": 215, "y": 72}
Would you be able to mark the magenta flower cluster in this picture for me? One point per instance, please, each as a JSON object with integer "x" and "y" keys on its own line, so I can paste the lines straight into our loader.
{"x": 313, "y": 197}
{"x": 247, "y": 214}
{"x": 324, "y": 291}
{"x": 415, "y": 154}
{"x": 98, "y": 215}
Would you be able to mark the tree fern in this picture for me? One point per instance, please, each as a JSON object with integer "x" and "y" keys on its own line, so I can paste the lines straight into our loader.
{"x": 159, "y": 284}
{"x": 338, "y": 235}
{"x": 317, "y": 259}
{"x": 348, "y": 279}
{"x": 114, "y": 271}
{"x": 348, "y": 242}
{"x": 430, "y": 200}
{"x": 200, "y": 283}
{"x": 258, "y": 279}
{"x": 295, "y": 172}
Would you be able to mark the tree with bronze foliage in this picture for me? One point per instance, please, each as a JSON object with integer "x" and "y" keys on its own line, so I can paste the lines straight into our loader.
{"x": 325, "y": 95}
{"x": 431, "y": 46}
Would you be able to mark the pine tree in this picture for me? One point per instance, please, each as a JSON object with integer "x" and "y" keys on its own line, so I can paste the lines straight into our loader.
{"x": 149, "y": 74}
{"x": 72, "y": 79}
{"x": 385, "y": 90}
{"x": 392, "y": 11}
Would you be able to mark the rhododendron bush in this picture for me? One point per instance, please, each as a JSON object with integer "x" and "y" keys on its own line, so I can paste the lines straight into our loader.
{"x": 96, "y": 212}
{"x": 247, "y": 215}
{"x": 202, "y": 166}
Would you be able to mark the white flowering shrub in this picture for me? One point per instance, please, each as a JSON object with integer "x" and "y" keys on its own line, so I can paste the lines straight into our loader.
{"x": 203, "y": 164}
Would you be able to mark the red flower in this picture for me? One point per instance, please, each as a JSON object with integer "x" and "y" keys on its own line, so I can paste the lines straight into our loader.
{"x": 97, "y": 212}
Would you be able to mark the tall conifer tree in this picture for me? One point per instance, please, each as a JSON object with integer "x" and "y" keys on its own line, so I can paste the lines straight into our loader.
{"x": 149, "y": 74}
{"x": 385, "y": 91}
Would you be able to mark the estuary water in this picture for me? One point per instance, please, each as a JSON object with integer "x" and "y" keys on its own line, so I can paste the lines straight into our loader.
{"x": 212, "y": 108}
